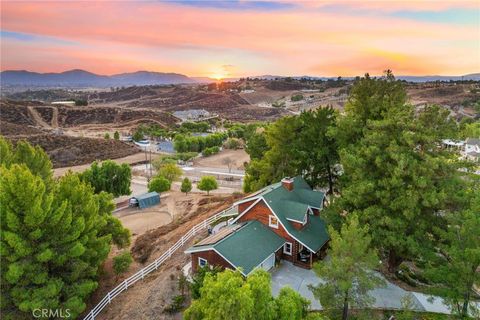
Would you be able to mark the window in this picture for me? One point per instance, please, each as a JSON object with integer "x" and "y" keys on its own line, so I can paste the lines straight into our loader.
{"x": 287, "y": 248}
{"x": 273, "y": 221}
{"x": 202, "y": 262}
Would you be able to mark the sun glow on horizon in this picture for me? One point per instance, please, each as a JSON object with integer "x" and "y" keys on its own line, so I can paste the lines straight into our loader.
{"x": 218, "y": 77}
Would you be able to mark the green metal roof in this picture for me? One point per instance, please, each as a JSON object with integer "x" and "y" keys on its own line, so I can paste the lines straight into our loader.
{"x": 148, "y": 199}
{"x": 294, "y": 210}
{"x": 246, "y": 247}
{"x": 293, "y": 205}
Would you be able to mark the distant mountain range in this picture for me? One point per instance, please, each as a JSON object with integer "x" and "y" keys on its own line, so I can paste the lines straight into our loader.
{"x": 81, "y": 78}
{"x": 471, "y": 76}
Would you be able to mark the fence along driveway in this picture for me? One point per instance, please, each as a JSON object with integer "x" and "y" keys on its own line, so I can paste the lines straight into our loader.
{"x": 125, "y": 284}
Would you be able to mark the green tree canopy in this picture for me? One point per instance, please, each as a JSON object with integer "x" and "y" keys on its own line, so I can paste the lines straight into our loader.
{"x": 186, "y": 185}
{"x": 454, "y": 267}
{"x": 159, "y": 184}
{"x": 227, "y": 295}
{"x": 207, "y": 183}
{"x": 291, "y": 305}
{"x": 347, "y": 275}
{"x": 256, "y": 145}
{"x": 109, "y": 177}
{"x": 396, "y": 178}
{"x": 303, "y": 144}
{"x": 54, "y": 237}
{"x": 170, "y": 171}
{"x": 33, "y": 157}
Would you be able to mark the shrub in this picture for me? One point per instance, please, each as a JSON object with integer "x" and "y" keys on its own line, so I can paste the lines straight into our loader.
{"x": 122, "y": 262}
{"x": 116, "y": 135}
{"x": 297, "y": 97}
{"x": 233, "y": 143}
{"x": 209, "y": 151}
{"x": 159, "y": 184}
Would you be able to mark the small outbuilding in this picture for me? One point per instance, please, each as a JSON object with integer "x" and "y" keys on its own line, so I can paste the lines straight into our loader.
{"x": 145, "y": 200}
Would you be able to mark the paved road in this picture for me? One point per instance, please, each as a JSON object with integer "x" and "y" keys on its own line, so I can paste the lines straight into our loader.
{"x": 388, "y": 297}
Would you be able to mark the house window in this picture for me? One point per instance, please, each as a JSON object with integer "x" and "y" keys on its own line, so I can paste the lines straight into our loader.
{"x": 287, "y": 248}
{"x": 202, "y": 262}
{"x": 273, "y": 222}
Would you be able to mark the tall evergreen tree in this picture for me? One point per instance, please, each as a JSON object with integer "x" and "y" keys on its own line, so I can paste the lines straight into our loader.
{"x": 54, "y": 237}
{"x": 396, "y": 178}
{"x": 453, "y": 269}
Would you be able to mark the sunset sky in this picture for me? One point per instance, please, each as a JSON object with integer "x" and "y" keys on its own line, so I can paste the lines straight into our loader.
{"x": 240, "y": 38}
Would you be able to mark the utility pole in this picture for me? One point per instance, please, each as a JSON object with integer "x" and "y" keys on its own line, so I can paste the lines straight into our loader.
{"x": 150, "y": 164}
{"x": 146, "y": 164}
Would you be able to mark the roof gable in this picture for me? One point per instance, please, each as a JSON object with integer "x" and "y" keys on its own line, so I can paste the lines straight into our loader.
{"x": 245, "y": 246}
{"x": 292, "y": 205}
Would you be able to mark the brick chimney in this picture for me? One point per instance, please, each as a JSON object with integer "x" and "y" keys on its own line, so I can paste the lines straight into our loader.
{"x": 287, "y": 183}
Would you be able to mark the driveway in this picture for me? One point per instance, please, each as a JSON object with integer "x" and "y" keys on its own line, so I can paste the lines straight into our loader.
{"x": 388, "y": 297}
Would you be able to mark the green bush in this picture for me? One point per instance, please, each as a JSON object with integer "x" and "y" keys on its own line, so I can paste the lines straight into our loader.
{"x": 233, "y": 143}
{"x": 297, "y": 97}
{"x": 159, "y": 184}
{"x": 210, "y": 151}
{"x": 186, "y": 156}
{"x": 122, "y": 262}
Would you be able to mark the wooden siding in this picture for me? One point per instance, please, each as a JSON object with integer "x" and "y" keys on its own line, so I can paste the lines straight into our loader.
{"x": 243, "y": 206}
{"x": 296, "y": 225}
{"x": 213, "y": 259}
{"x": 261, "y": 212}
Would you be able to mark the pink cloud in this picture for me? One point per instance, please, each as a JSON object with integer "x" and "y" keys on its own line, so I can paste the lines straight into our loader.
{"x": 119, "y": 36}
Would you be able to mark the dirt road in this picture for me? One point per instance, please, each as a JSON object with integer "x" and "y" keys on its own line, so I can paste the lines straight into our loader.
{"x": 37, "y": 118}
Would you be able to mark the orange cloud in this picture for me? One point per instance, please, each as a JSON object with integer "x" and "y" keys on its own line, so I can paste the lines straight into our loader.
{"x": 114, "y": 37}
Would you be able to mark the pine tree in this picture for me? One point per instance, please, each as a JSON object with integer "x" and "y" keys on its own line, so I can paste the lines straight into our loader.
{"x": 395, "y": 176}
{"x": 55, "y": 235}
{"x": 348, "y": 274}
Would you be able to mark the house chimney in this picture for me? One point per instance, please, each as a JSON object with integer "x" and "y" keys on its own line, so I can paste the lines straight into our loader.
{"x": 287, "y": 183}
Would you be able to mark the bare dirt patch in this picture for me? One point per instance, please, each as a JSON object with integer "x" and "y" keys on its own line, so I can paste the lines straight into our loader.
{"x": 140, "y": 221}
{"x": 148, "y": 298}
{"x": 239, "y": 157}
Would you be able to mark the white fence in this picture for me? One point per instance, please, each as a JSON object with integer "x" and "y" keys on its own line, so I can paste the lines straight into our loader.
{"x": 155, "y": 264}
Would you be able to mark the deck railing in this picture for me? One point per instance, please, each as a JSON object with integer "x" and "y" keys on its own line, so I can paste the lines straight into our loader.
{"x": 125, "y": 284}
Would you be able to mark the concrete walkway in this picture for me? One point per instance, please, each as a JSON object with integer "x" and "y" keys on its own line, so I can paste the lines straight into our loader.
{"x": 388, "y": 297}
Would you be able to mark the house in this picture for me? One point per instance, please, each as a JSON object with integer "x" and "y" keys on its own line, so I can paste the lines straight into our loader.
{"x": 472, "y": 149}
{"x": 281, "y": 221}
